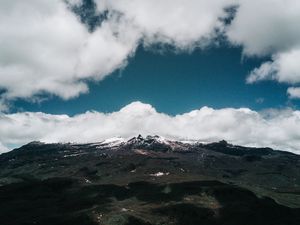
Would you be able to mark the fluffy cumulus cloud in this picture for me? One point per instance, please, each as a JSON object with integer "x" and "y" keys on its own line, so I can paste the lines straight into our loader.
{"x": 266, "y": 26}
{"x": 240, "y": 126}
{"x": 294, "y": 92}
{"x": 285, "y": 67}
{"x": 269, "y": 28}
{"x": 46, "y": 48}
{"x": 185, "y": 24}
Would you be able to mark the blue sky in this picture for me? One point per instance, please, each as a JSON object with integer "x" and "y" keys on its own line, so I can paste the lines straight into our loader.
{"x": 175, "y": 83}
{"x": 207, "y": 70}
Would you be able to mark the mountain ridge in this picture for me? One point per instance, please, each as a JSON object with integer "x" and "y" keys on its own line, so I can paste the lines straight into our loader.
{"x": 148, "y": 181}
{"x": 156, "y": 141}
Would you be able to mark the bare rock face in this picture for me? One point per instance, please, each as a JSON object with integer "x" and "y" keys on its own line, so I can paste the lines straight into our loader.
{"x": 149, "y": 181}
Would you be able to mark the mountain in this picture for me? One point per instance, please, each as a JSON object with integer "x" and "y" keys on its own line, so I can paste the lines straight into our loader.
{"x": 148, "y": 180}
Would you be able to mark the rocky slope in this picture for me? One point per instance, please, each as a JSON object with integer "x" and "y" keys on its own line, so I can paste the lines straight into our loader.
{"x": 148, "y": 180}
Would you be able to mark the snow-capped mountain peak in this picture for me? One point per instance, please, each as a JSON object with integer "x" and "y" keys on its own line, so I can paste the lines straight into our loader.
{"x": 149, "y": 139}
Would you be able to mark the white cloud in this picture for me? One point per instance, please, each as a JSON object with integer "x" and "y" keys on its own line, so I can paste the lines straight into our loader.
{"x": 266, "y": 26}
{"x": 185, "y": 24}
{"x": 3, "y": 106}
{"x": 3, "y": 148}
{"x": 44, "y": 48}
{"x": 284, "y": 67}
{"x": 294, "y": 92}
{"x": 273, "y": 128}
{"x": 269, "y": 27}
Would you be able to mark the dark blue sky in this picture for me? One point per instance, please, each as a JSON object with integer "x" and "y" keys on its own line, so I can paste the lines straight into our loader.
{"x": 175, "y": 83}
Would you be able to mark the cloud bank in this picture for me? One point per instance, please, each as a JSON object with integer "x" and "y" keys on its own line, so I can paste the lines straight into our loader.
{"x": 273, "y": 128}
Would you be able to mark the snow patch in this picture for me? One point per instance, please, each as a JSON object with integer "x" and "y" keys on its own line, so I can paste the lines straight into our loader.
{"x": 159, "y": 174}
